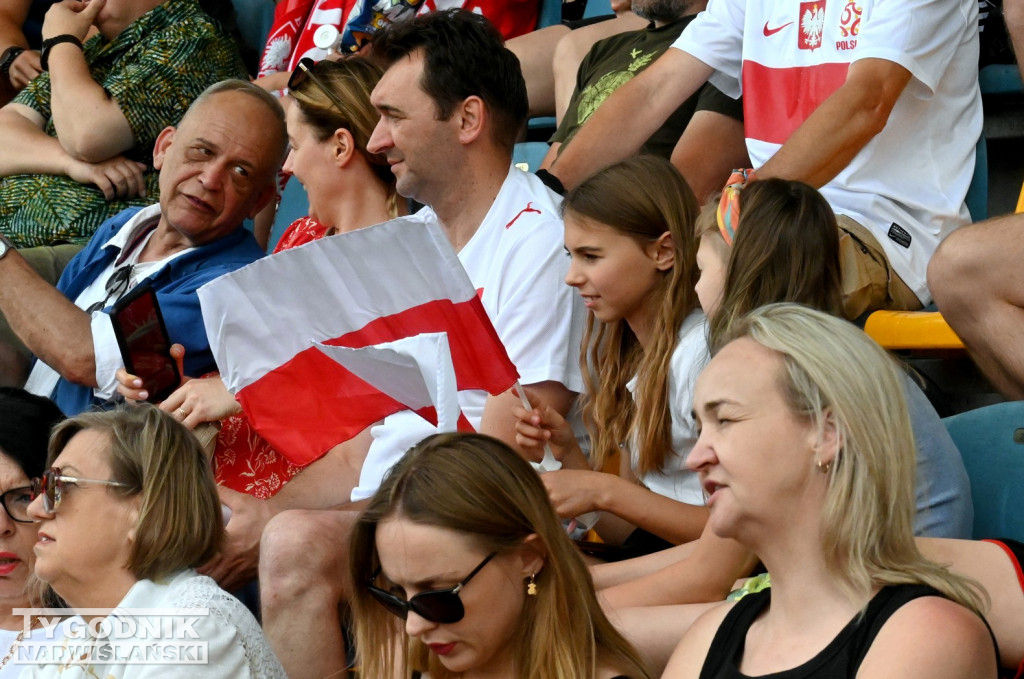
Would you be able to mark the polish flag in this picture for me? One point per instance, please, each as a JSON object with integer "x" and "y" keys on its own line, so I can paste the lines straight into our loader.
{"x": 415, "y": 372}
{"x": 368, "y": 287}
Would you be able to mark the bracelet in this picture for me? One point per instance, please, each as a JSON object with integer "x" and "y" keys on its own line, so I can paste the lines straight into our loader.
{"x": 50, "y": 43}
{"x": 551, "y": 181}
{"x": 8, "y": 57}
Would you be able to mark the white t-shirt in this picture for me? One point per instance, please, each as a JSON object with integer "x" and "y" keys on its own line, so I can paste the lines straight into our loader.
{"x": 908, "y": 184}
{"x": 689, "y": 357}
{"x": 43, "y": 378}
{"x": 517, "y": 263}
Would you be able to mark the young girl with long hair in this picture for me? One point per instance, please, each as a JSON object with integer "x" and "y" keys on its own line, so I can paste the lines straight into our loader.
{"x": 629, "y": 234}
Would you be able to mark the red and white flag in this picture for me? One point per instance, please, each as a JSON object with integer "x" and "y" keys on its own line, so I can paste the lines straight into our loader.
{"x": 416, "y": 372}
{"x": 367, "y": 287}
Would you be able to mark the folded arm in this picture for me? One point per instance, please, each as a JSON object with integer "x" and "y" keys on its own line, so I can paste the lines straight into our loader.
{"x": 90, "y": 124}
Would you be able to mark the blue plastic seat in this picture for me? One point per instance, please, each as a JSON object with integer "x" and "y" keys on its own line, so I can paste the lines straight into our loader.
{"x": 294, "y": 204}
{"x": 528, "y": 156}
{"x": 991, "y": 441}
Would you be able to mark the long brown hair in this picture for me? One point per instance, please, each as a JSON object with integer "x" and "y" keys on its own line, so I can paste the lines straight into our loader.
{"x": 786, "y": 249}
{"x": 351, "y": 81}
{"x": 479, "y": 487}
{"x": 642, "y": 197}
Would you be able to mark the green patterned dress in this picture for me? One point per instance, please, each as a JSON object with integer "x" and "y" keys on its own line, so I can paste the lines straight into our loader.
{"x": 153, "y": 69}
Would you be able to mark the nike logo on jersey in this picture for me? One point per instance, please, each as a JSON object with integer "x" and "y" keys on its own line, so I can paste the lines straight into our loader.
{"x": 768, "y": 32}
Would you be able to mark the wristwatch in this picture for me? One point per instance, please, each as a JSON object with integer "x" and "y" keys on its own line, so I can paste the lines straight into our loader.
{"x": 8, "y": 57}
{"x": 50, "y": 43}
{"x": 5, "y": 246}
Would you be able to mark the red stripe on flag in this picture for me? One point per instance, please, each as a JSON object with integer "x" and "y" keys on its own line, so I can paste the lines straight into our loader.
{"x": 776, "y": 101}
{"x": 310, "y": 404}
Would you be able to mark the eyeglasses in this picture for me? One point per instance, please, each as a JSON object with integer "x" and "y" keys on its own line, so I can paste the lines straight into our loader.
{"x": 16, "y": 502}
{"x": 51, "y": 487}
{"x": 304, "y": 69}
{"x": 437, "y": 605}
{"x": 116, "y": 286}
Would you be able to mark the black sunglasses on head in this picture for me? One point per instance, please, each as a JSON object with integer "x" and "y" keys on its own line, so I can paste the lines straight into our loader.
{"x": 305, "y": 69}
{"x": 437, "y": 605}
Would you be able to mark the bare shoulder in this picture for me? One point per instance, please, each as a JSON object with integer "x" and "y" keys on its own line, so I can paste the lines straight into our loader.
{"x": 931, "y": 637}
{"x": 689, "y": 656}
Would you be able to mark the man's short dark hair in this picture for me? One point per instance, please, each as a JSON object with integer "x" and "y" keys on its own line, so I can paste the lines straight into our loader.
{"x": 464, "y": 56}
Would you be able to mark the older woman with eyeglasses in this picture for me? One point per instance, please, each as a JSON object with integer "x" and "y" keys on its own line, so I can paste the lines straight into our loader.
{"x": 127, "y": 508}
{"x": 25, "y": 422}
{"x": 462, "y": 568}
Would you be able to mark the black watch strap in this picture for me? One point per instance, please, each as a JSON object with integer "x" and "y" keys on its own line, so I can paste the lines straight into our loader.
{"x": 8, "y": 57}
{"x": 50, "y": 43}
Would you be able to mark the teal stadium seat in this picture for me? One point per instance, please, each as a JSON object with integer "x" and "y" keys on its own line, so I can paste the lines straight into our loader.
{"x": 294, "y": 204}
{"x": 991, "y": 441}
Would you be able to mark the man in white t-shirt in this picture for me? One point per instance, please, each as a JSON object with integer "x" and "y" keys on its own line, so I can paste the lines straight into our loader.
{"x": 875, "y": 102}
{"x": 452, "y": 104}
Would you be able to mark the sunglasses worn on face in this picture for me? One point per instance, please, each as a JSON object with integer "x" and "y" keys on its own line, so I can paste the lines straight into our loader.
{"x": 51, "y": 487}
{"x": 16, "y": 502}
{"x": 437, "y": 605}
{"x": 304, "y": 70}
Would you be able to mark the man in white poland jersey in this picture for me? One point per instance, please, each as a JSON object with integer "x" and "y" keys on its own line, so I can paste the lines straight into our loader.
{"x": 875, "y": 102}
{"x": 452, "y": 103}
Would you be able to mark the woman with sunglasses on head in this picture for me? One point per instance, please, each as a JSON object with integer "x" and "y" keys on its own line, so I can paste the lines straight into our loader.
{"x": 462, "y": 544}
{"x": 127, "y": 509}
{"x": 807, "y": 457}
{"x": 25, "y": 423}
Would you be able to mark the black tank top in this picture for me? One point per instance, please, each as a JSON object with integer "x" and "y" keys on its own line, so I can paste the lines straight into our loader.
{"x": 841, "y": 658}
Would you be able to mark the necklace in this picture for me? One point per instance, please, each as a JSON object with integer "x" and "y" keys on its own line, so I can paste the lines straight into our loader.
{"x": 14, "y": 647}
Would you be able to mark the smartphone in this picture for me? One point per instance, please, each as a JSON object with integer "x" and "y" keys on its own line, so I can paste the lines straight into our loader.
{"x": 144, "y": 343}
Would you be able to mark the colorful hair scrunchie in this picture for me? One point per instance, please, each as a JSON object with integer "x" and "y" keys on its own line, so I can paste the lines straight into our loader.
{"x": 729, "y": 204}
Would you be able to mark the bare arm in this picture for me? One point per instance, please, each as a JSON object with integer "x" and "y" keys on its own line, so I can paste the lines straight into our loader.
{"x": 712, "y": 145}
{"x": 631, "y": 115}
{"x": 574, "y": 493}
{"x": 689, "y": 656}
{"x": 29, "y": 150}
{"x": 844, "y": 123}
{"x": 53, "y": 328}
{"x": 706, "y": 575}
{"x": 89, "y": 123}
{"x": 956, "y": 644}
{"x": 12, "y": 17}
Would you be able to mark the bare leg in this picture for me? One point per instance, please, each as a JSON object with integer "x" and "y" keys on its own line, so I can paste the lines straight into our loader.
{"x": 535, "y": 51}
{"x": 978, "y": 283}
{"x": 303, "y": 586}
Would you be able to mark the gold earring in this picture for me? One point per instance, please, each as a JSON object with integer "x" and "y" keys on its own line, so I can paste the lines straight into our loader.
{"x": 531, "y": 586}
{"x": 825, "y": 467}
